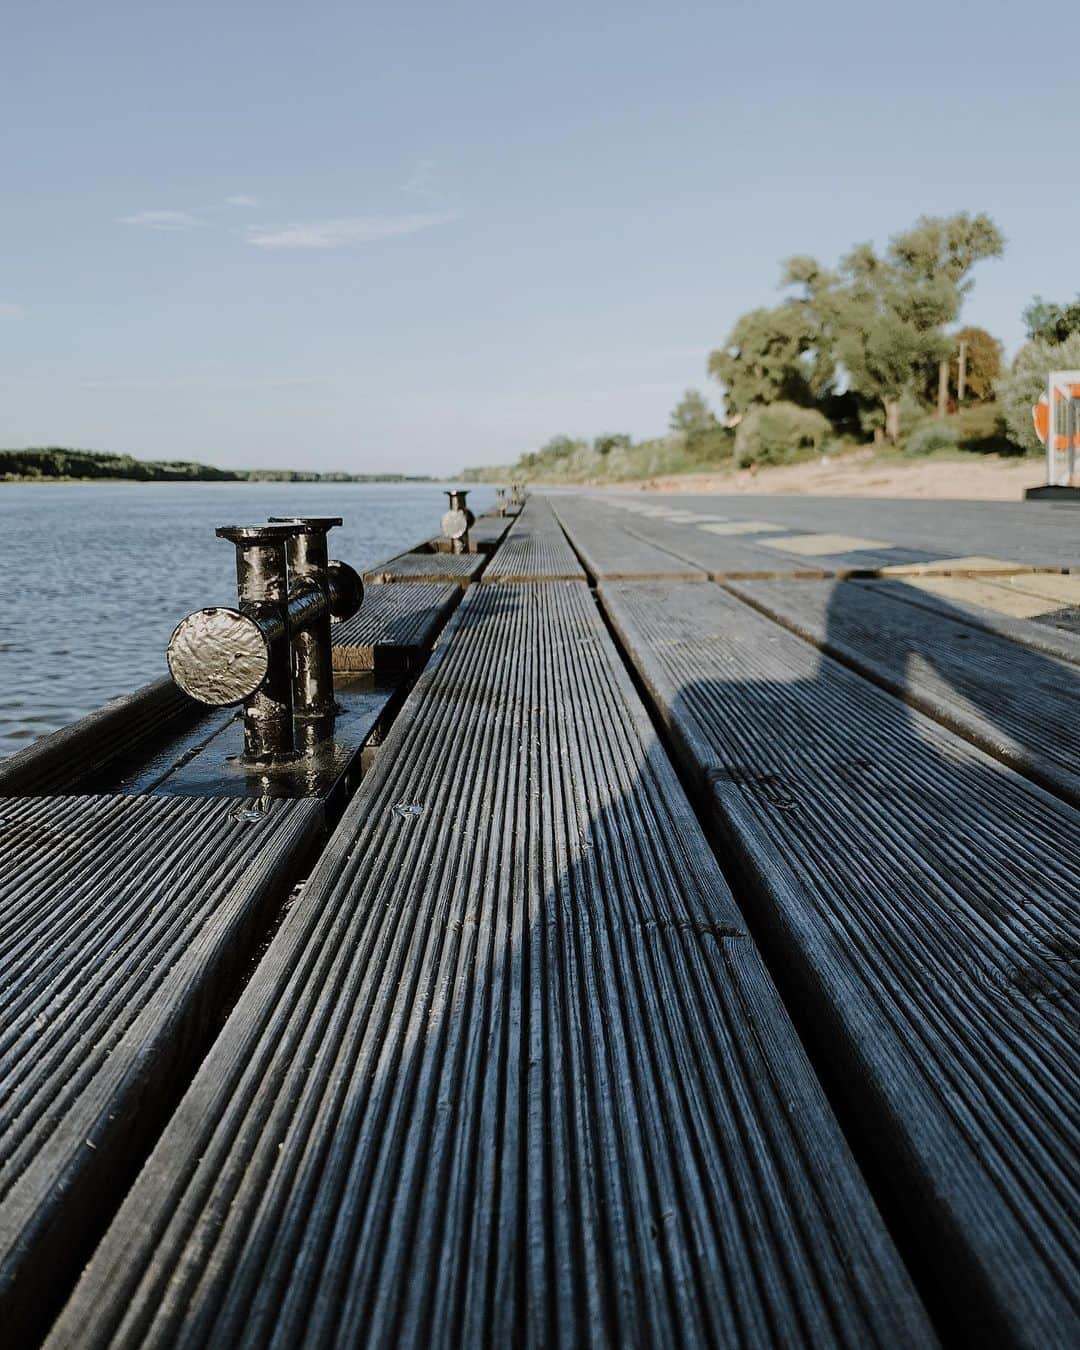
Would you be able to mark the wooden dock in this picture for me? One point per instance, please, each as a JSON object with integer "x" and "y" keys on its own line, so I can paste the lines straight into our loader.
{"x": 679, "y": 945}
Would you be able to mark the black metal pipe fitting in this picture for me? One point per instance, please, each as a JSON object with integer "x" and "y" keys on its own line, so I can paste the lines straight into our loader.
{"x": 458, "y": 520}
{"x": 273, "y": 652}
{"x": 311, "y": 583}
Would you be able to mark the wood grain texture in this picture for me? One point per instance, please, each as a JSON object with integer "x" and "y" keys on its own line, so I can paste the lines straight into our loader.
{"x": 395, "y": 626}
{"x": 719, "y": 555}
{"x": 1014, "y": 703}
{"x": 535, "y": 549}
{"x": 920, "y": 900}
{"x": 459, "y": 568}
{"x": 727, "y": 556}
{"x": 78, "y": 753}
{"x": 125, "y": 927}
{"x": 951, "y": 601}
{"x": 511, "y": 1071}
{"x": 599, "y": 535}
{"x": 488, "y": 531}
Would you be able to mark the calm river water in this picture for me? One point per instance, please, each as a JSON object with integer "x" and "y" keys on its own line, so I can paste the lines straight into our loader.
{"x": 96, "y": 575}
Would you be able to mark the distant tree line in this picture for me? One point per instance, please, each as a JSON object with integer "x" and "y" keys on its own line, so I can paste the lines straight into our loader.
{"x": 864, "y": 349}
{"x": 55, "y": 462}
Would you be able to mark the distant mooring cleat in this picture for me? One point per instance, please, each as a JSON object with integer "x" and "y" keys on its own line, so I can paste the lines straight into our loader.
{"x": 273, "y": 652}
{"x": 458, "y": 520}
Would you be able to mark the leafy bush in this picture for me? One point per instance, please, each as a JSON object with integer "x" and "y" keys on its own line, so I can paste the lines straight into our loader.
{"x": 929, "y": 437}
{"x": 1018, "y": 390}
{"x": 776, "y": 432}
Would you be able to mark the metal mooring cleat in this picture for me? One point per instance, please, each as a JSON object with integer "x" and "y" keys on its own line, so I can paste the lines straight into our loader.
{"x": 457, "y": 522}
{"x": 273, "y": 652}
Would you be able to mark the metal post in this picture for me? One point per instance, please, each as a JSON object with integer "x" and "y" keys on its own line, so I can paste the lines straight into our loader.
{"x": 312, "y": 655}
{"x": 262, "y": 585}
{"x": 273, "y": 653}
{"x": 457, "y": 520}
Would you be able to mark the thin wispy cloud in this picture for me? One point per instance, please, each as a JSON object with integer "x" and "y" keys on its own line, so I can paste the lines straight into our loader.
{"x": 252, "y": 203}
{"x": 343, "y": 231}
{"x": 422, "y": 181}
{"x": 127, "y": 385}
{"x": 162, "y": 220}
{"x": 11, "y": 311}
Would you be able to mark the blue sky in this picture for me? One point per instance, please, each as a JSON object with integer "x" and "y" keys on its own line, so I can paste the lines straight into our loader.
{"x": 373, "y": 236}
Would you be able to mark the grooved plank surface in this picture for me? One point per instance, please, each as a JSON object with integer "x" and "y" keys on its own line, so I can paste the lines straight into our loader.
{"x": 921, "y": 900}
{"x": 1015, "y": 703}
{"x": 608, "y": 550}
{"x": 460, "y": 568}
{"x": 965, "y": 598}
{"x": 394, "y": 626}
{"x": 1042, "y": 534}
{"x": 511, "y": 1070}
{"x": 726, "y": 552}
{"x": 535, "y": 549}
{"x": 488, "y": 530}
{"x": 78, "y": 753}
{"x": 720, "y": 555}
{"x": 125, "y": 924}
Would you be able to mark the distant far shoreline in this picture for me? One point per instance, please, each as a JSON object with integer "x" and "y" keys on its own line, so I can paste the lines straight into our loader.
{"x": 56, "y": 464}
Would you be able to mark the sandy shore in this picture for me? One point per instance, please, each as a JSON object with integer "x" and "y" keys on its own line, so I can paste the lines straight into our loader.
{"x": 860, "y": 475}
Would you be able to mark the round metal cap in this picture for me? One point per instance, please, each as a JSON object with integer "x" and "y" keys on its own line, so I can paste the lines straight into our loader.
{"x": 345, "y": 588}
{"x": 219, "y": 656}
{"x": 257, "y": 534}
{"x": 308, "y": 522}
{"x": 455, "y": 524}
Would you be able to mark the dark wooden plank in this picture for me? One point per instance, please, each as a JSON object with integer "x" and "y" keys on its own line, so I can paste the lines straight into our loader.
{"x": 609, "y": 551}
{"x": 535, "y": 549}
{"x": 126, "y": 925}
{"x": 1040, "y": 534}
{"x": 395, "y": 627}
{"x": 719, "y": 555}
{"x": 746, "y": 548}
{"x": 208, "y": 760}
{"x": 1042, "y": 637}
{"x": 1014, "y": 703}
{"x": 84, "y": 751}
{"x": 920, "y": 901}
{"x": 511, "y": 1071}
{"x": 459, "y": 568}
{"x": 488, "y": 531}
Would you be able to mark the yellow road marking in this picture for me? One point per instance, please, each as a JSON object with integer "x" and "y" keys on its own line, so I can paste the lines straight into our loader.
{"x": 951, "y": 566}
{"x": 744, "y": 527}
{"x": 1064, "y": 590}
{"x": 816, "y": 545}
{"x": 987, "y": 594}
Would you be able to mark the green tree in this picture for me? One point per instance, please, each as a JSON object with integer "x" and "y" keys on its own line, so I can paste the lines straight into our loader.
{"x": 884, "y": 314}
{"x": 982, "y": 367}
{"x": 775, "y": 433}
{"x": 770, "y": 355}
{"x": 692, "y": 417}
{"x": 1019, "y": 389}
{"x": 603, "y": 445}
{"x": 1048, "y": 322}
